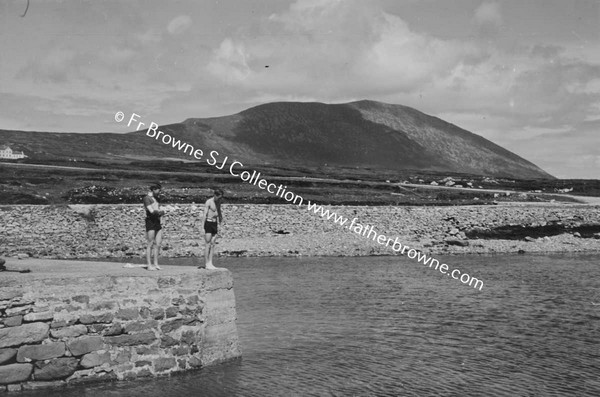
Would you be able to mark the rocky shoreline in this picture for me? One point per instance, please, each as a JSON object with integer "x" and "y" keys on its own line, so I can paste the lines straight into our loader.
{"x": 117, "y": 231}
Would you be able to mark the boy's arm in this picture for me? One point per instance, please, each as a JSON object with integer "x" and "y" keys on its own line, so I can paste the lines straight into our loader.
{"x": 149, "y": 204}
{"x": 205, "y": 211}
{"x": 219, "y": 212}
{"x": 152, "y": 206}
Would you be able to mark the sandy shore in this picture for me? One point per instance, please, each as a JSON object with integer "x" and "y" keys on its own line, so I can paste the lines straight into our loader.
{"x": 102, "y": 231}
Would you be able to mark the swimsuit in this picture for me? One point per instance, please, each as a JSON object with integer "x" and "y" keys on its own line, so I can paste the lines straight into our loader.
{"x": 152, "y": 218}
{"x": 153, "y": 223}
{"x": 210, "y": 227}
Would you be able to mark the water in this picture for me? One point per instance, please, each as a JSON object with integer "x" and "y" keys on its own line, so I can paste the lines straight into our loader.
{"x": 385, "y": 326}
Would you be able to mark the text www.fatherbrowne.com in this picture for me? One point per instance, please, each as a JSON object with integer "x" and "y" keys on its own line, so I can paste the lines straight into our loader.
{"x": 369, "y": 232}
{"x": 280, "y": 190}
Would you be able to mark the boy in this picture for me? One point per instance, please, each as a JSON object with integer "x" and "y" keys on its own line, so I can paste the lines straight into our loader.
{"x": 212, "y": 218}
{"x": 153, "y": 226}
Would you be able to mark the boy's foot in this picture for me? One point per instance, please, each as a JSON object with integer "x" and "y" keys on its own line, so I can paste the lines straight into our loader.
{"x": 208, "y": 266}
{"x": 153, "y": 268}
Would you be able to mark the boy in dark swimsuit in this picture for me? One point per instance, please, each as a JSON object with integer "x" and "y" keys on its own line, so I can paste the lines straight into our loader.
{"x": 153, "y": 226}
{"x": 212, "y": 217}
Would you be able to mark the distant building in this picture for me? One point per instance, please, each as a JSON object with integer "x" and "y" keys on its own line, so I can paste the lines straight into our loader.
{"x": 7, "y": 153}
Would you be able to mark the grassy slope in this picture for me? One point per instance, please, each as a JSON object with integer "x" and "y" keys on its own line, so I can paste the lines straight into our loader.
{"x": 187, "y": 183}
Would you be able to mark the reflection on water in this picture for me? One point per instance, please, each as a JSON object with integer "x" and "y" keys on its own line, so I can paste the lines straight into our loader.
{"x": 385, "y": 326}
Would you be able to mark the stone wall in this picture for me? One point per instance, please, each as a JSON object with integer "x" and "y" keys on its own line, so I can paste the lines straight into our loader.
{"x": 70, "y": 323}
{"x": 101, "y": 231}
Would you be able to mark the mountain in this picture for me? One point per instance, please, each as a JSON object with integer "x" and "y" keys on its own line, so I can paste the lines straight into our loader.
{"x": 357, "y": 134}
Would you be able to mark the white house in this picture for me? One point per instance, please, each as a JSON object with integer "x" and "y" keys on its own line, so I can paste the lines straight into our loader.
{"x": 8, "y": 153}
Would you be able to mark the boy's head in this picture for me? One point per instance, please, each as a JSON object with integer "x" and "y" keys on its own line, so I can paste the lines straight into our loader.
{"x": 218, "y": 193}
{"x": 155, "y": 187}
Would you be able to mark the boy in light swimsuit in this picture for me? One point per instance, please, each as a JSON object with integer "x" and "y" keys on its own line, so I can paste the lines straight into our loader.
{"x": 212, "y": 218}
{"x": 153, "y": 226}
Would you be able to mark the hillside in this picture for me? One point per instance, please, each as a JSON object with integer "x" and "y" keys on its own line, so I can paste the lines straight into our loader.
{"x": 364, "y": 134}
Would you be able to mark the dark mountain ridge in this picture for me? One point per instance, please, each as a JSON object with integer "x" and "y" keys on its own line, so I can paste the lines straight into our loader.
{"x": 358, "y": 134}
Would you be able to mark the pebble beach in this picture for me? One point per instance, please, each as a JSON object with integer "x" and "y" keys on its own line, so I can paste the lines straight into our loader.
{"x": 117, "y": 231}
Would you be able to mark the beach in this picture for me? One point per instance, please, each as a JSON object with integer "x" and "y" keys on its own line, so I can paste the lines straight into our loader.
{"x": 117, "y": 231}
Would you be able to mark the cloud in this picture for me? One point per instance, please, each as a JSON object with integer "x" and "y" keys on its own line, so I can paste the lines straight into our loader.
{"x": 336, "y": 50}
{"x": 569, "y": 154}
{"x": 54, "y": 66}
{"x": 179, "y": 24}
{"x": 488, "y": 16}
{"x": 230, "y": 62}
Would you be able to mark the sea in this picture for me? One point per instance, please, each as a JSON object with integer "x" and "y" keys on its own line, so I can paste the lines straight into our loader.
{"x": 388, "y": 326}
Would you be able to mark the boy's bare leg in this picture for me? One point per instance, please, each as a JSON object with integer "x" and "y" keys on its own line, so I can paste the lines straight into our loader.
{"x": 149, "y": 245}
{"x": 157, "y": 243}
{"x": 209, "y": 250}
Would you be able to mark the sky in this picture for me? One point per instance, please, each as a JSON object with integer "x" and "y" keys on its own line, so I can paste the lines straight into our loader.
{"x": 524, "y": 74}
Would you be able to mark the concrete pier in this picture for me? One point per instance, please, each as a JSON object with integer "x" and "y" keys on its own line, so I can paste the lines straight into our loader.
{"x": 70, "y": 322}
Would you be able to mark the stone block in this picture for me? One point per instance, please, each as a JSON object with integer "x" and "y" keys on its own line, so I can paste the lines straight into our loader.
{"x": 172, "y": 325}
{"x": 40, "y": 316}
{"x": 124, "y": 356}
{"x": 138, "y": 326}
{"x": 190, "y": 337}
{"x": 130, "y": 313}
{"x": 162, "y": 364}
{"x": 68, "y": 308}
{"x": 93, "y": 378}
{"x": 157, "y": 314}
{"x": 85, "y": 344}
{"x": 95, "y": 359}
{"x": 15, "y": 311}
{"x": 193, "y": 300}
{"x": 180, "y": 351}
{"x": 64, "y": 321}
{"x": 171, "y": 312}
{"x": 107, "y": 305}
{"x": 96, "y": 318}
{"x": 13, "y": 387}
{"x": 23, "y": 334}
{"x": 13, "y": 321}
{"x": 107, "y": 329}
{"x": 46, "y": 351}
{"x": 167, "y": 282}
{"x": 40, "y": 307}
{"x": 22, "y": 302}
{"x": 144, "y": 338}
{"x": 168, "y": 341}
{"x": 81, "y": 299}
{"x": 79, "y": 373}
{"x": 10, "y": 294}
{"x": 58, "y": 368}
{"x": 145, "y": 312}
{"x": 143, "y": 373}
{"x": 195, "y": 362}
{"x": 145, "y": 350}
{"x": 69, "y": 332}
{"x": 7, "y": 354}
{"x": 191, "y": 311}
{"x": 13, "y": 373}
{"x": 53, "y": 384}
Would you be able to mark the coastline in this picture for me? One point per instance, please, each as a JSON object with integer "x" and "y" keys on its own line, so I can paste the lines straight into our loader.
{"x": 117, "y": 230}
